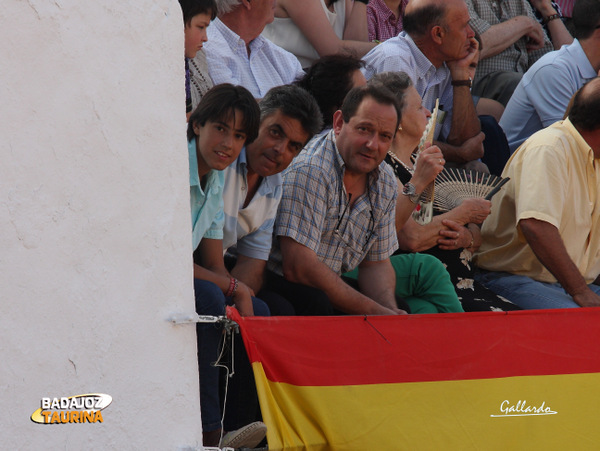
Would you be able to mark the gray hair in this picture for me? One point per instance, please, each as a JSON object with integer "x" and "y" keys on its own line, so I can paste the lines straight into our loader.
{"x": 397, "y": 82}
{"x": 225, "y": 6}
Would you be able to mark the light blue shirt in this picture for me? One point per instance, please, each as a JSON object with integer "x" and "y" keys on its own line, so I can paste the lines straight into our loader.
{"x": 267, "y": 66}
{"x": 207, "y": 203}
{"x": 251, "y": 228}
{"x": 543, "y": 94}
{"x": 402, "y": 54}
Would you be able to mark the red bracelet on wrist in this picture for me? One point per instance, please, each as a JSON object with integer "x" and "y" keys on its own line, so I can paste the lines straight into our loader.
{"x": 233, "y": 284}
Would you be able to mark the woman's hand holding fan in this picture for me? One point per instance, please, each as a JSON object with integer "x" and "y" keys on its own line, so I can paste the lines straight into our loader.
{"x": 430, "y": 163}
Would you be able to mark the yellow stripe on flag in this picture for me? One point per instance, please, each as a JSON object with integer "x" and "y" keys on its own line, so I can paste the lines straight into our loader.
{"x": 444, "y": 415}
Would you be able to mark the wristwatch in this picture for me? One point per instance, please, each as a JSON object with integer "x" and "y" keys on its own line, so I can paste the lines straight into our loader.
{"x": 467, "y": 83}
{"x": 410, "y": 191}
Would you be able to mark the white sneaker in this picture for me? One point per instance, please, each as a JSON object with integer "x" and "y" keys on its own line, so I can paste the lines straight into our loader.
{"x": 248, "y": 436}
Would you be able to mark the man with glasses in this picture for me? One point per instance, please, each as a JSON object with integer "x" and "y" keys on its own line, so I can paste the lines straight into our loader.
{"x": 337, "y": 214}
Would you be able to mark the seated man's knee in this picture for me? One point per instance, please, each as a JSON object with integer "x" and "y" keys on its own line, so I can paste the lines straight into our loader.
{"x": 260, "y": 307}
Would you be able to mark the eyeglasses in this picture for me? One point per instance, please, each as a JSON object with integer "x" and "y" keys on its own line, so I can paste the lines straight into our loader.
{"x": 371, "y": 228}
{"x": 341, "y": 217}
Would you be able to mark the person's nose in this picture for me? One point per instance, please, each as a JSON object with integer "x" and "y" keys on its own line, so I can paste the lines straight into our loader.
{"x": 373, "y": 142}
{"x": 470, "y": 32}
{"x": 280, "y": 146}
{"x": 227, "y": 141}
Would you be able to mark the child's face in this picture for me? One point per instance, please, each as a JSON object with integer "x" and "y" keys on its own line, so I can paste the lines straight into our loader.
{"x": 195, "y": 34}
{"x": 218, "y": 143}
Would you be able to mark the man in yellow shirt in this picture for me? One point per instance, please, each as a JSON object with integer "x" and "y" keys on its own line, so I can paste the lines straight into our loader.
{"x": 541, "y": 243}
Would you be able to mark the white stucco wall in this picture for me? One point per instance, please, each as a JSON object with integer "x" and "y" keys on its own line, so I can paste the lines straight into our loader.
{"x": 95, "y": 247}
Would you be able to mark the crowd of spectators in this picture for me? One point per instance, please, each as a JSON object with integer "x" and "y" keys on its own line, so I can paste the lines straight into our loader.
{"x": 307, "y": 163}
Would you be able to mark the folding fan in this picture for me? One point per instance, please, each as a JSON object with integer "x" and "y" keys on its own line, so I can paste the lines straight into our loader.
{"x": 423, "y": 212}
{"x": 454, "y": 185}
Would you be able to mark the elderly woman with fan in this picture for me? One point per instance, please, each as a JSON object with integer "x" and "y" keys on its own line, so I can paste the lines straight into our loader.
{"x": 452, "y": 236}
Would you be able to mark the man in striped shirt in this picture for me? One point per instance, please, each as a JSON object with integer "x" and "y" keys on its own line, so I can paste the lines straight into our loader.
{"x": 289, "y": 118}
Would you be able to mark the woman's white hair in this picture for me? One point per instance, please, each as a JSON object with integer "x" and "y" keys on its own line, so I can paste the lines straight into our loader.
{"x": 225, "y": 6}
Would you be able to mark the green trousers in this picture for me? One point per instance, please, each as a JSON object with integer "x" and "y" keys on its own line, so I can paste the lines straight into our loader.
{"x": 423, "y": 282}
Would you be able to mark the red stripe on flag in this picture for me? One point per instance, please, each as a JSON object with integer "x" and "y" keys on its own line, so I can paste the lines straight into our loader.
{"x": 353, "y": 350}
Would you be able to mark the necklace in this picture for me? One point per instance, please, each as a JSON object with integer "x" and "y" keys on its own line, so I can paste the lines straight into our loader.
{"x": 394, "y": 157}
{"x": 198, "y": 79}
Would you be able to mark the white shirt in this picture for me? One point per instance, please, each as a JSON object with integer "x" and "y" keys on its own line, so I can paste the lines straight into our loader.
{"x": 250, "y": 228}
{"x": 267, "y": 65}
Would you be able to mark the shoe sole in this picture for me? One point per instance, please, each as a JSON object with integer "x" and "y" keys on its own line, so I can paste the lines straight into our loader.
{"x": 248, "y": 436}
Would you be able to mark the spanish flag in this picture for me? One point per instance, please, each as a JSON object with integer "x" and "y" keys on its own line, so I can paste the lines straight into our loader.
{"x": 459, "y": 381}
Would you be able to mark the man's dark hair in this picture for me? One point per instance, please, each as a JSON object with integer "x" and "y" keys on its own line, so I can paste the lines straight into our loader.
{"x": 377, "y": 92}
{"x": 220, "y": 104}
{"x": 586, "y": 18}
{"x": 293, "y": 102}
{"x": 585, "y": 112}
{"x": 191, "y": 8}
{"x": 329, "y": 79}
{"x": 419, "y": 21}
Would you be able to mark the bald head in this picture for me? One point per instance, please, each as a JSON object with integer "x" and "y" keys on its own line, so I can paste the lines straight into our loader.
{"x": 585, "y": 113}
{"x": 422, "y": 15}
{"x": 417, "y": 4}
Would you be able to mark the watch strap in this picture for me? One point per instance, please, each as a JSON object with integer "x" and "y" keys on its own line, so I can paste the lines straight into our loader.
{"x": 467, "y": 83}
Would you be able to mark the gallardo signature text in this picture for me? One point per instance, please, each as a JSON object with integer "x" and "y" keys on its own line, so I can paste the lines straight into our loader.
{"x": 521, "y": 409}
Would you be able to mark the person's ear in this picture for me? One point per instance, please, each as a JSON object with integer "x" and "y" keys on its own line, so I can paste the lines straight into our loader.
{"x": 246, "y": 4}
{"x": 338, "y": 121}
{"x": 437, "y": 34}
{"x": 196, "y": 128}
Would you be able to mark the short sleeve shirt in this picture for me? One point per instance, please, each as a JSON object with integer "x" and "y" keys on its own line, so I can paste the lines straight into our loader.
{"x": 249, "y": 228}
{"x": 206, "y": 204}
{"x": 314, "y": 210}
{"x": 544, "y": 92}
{"x": 553, "y": 178}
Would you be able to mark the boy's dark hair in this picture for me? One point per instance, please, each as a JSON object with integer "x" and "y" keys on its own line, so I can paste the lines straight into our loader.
{"x": 419, "y": 21}
{"x": 329, "y": 79}
{"x": 220, "y": 104}
{"x": 377, "y": 92}
{"x": 584, "y": 114}
{"x": 191, "y": 8}
{"x": 293, "y": 102}
{"x": 586, "y": 18}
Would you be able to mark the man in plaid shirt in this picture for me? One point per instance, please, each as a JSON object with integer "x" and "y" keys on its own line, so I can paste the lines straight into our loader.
{"x": 337, "y": 213}
{"x": 511, "y": 41}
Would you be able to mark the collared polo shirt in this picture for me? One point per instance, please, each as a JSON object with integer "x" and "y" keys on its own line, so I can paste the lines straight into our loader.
{"x": 543, "y": 94}
{"x": 207, "y": 203}
{"x": 553, "y": 178}
{"x": 250, "y": 229}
